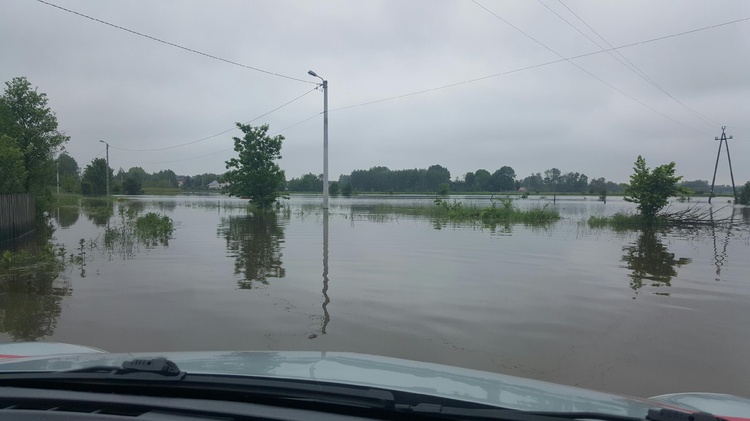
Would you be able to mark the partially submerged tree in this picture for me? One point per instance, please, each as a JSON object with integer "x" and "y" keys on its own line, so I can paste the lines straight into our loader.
{"x": 94, "y": 180}
{"x": 651, "y": 189}
{"x": 32, "y": 125}
{"x": 255, "y": 174}
{"x": 744, "y": 197}
{"x": 12, "y": 170}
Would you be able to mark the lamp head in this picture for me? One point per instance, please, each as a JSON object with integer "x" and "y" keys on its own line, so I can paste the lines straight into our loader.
{"x": 311, "y": 73}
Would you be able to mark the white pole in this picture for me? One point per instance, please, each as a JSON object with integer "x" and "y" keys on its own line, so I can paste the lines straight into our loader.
{"x": 107, "y": 167}
{"x": 325, "y": 144}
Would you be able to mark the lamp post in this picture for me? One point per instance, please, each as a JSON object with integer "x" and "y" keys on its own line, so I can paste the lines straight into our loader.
{"x": 107, "y": 170}
{"x": 325, "y": 137}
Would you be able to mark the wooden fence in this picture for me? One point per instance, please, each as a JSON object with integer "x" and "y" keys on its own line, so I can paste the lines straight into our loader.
{"x": 16, "y": 216}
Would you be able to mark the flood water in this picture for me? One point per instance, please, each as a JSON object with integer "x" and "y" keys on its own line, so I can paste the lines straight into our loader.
{"x": 625, "y": 312}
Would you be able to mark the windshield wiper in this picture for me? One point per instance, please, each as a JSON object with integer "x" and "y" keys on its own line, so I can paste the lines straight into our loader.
{"x": 436, "y": 410}
{"x": 152, "y": 369}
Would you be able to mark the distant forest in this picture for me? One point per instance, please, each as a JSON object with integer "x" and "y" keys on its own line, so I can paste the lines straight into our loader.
{"x": 438, "y": 178}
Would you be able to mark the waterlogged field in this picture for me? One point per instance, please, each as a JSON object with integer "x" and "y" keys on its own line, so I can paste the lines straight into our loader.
{"x": 633, "y": 312}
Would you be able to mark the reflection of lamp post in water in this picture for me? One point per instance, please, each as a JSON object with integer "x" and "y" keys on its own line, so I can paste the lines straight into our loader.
{"x": 720, "y": 257}
{"x": 326, "y": 316}
{"x": 326, "y": 300}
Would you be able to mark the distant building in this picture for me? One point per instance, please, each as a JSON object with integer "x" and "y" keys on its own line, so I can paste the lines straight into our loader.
{"x": 522, "y": 189}
{"x": 181, "y": 180}
{"x": 215, "y": 185}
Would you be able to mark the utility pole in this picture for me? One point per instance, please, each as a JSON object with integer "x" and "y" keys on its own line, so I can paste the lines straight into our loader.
{"x": 725, "y": 140}
{"x": 325, "y": 137}
{"x": 107, "y": 171}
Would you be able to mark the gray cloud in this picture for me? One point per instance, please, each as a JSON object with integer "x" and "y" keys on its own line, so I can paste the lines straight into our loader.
{"x": 139, "y": 94}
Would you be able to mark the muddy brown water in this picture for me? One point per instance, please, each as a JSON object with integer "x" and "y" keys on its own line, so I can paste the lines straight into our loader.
{"x": 634, "y": 313}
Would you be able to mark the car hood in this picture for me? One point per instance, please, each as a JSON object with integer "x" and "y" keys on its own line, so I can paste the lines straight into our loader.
{"x": 373, "y": 371}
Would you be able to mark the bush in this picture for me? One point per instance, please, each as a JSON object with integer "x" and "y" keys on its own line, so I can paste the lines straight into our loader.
{"x": 744, "y": 197}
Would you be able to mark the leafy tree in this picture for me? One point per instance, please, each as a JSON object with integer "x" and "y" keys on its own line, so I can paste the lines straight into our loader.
{"x": 67, "y": 165}
{"x": 483, "y": 180}
{"x": 347, "y": 190}
{"x": 503, "y": 179}
{"x": 552, "y": 179}
{"x": 698, "y": 186}
{"x": 435, "y": 176}
{"x": 308, "y": 183}
{"x": 651, "y": 189}
{"x": 132, "y": 186}
{"x": 744, "y": 197}
{"x": 470, "y": 181}
{"x": 254, "y": 173}
{"x": 12, "y": 170}
{"x": 534, "y": 182}
{"x": 94, "y": 180}
{"x": 70, "y": 177}
{"x": 444, "y": 189}
{"x": 334, "y": 188}
{"x": 26, "y": 118}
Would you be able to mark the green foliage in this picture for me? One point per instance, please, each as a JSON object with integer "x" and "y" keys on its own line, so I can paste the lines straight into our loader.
{"x": 508, "y": 213}
{"x": 347, "y": 190}
{"x": 94, "y": 180}
{"x": 334, "y": 189}
{"x": 254, "y": 174}
{"x": 26, "y": 118}
{"x": 744, "y": 197}
{"x": 651, "y": 189}
{"x": 444, "y": 190}
{"x": 151, "y": 229}
{"x": 132, "y": 186}
{"x": 12, "y": 169}
{"x": 624, "y": 222}
{"x": 307, "y": 183}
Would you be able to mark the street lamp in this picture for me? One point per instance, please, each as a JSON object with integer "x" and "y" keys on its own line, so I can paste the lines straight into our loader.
{"x": 107, "y": 171}
{"x": 325, "y": 137}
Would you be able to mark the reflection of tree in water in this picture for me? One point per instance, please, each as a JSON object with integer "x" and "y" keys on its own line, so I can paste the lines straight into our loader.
{"x": 31, "y": 290}
{"x": 650, "y": 260}
{"x": 255, "y": 241}
{"x": 66, "y": 216}
{"x": 98, "y": 211}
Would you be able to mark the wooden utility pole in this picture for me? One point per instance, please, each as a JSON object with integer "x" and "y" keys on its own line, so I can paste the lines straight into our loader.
{"x": 725, "y": 140}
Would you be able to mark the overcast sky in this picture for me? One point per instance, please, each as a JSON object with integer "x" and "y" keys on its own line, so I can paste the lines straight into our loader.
{"x": 592, "y": 114}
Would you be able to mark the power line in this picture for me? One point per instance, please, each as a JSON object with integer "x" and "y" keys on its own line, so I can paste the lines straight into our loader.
{"x": 214, "y": 135}
{"x": 586, "y": 71}
{"x": 630, "y": 65}
{"x": 534, "y": 66}
{"x": 227, "y": 149}
{"x": 175, "y": 45}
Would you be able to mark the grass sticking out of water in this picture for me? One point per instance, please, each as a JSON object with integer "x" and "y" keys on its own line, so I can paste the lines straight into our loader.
{"x": 456, "y": 211}
{"x": 151, "y": 229}
{"x": 624, "y": 221}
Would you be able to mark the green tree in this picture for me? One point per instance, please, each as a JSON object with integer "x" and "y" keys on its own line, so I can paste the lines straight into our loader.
{"x": 483, "y": 179}
{"x": 70, "y": 178}
{"x": 744, "y": 197}
{"x": 333, "y": 188}
{"x": 132, "y": 186}
{"x": 651, "y": 189}
{"x": 254, "y": 174}
{"x": 347, "y": 190}
{"x": 12, "y": 170}
{"x": 503, "y": 179}
{"x": 26, "y": 118}
{"x": 94, "y": 180}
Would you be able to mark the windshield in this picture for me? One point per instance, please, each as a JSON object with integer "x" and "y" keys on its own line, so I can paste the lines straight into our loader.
{"x": 553, "y": 190}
